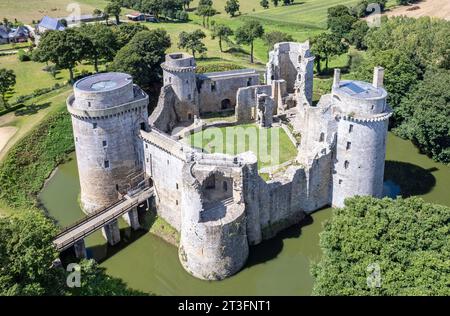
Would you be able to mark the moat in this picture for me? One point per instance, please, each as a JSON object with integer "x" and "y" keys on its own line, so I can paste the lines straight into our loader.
{"x": 280, "y": 266}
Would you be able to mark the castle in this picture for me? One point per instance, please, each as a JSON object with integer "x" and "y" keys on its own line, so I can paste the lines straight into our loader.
{"x": 219, "y": 203}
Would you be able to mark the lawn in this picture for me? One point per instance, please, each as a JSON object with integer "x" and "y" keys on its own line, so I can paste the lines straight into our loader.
{"x": 28, "y": 10}
{"x": 272, "y": 146}
{"x": 31, "y": 75}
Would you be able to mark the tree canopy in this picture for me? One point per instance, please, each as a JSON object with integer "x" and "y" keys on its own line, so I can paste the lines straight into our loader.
{"x": 326, "y": 45}
{"x": 192, "y": 41}
{"x": 385, "y": 247}
{"x": 222, "y": 32}
{"x": 104, "y": 42}
{"x": 142, "y": 56}
{"x": 232, "y": 7}
{"x": 7, "y": 81}
{"x": 63, "y": 48}
{"x": 425, "y": 114}
{"x": 247, "y": 33}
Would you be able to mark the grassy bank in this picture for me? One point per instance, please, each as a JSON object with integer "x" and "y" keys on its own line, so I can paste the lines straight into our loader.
{"x": 29, "y": 163}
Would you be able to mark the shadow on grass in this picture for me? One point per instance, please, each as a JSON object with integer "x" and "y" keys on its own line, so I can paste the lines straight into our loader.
{"x": 32, "y": 109}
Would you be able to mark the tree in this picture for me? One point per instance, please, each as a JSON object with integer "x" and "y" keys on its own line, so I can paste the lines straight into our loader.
{"x": 95, "y": 282}
{"x": 186, "y": 4}
{"x": 358, "y": 33}
{"x": 222, "y": 32}
{"x": 97, "y": 12}
{"x": 104, "y": 42}
{"x": 385, "y": 247}
{"x": 340, "y": 20}
{"x": 192, "y": 41}
{"x": 125, "y": 32}
{"x": 206, "y": 11}
{"x": 327, "y": 45}
{"x": 425, "y": 113}
{"x": 63, "y": 48}
{"x": 231, "y": 7}
{"x": 274, "y": 37}
{"x": 27, "y": 254}
{"x": 264, "y": 4}
{"x": 275, "y": 3}
{"x": 247, "y": 33}
{"x": 114, "y": 8}
{"x": 142, "y": 56}
{"x": 7, "y": 81}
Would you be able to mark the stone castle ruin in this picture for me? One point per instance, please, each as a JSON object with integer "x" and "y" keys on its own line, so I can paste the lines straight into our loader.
{"x": 219, "y": 203}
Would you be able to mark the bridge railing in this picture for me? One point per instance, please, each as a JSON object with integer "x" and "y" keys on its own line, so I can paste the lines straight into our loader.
{"x": 96, "y": 226}
{"x": 80, "y": 222}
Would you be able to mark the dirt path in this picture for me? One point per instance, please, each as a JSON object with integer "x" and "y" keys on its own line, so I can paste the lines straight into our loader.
{"x": 434, "y": 8}
{"x": 5, "y": 135}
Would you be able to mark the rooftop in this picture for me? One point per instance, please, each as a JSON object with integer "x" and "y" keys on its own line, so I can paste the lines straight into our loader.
{"x": 51, "y": 24}
{"x": 103, "y": 82}
{"x": 230, "y": 73}
{"x": 360, "y": 90}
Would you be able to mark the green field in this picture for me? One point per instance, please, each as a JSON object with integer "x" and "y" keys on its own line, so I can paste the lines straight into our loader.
{"x": 271, "y": 146}
{"x": 28, "y": 10}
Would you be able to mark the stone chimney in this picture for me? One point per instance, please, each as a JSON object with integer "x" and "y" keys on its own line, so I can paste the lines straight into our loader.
{"x": 337, "y": 78}
{"x": 378, "y": 76}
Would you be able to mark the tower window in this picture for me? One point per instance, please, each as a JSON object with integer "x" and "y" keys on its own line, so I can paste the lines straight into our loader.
{"x": 104, "y": 143}
{"x": 350, "y": 129}
{"x": 249, "y": 82}
{"x": 349, "y": 145}
{"x": 322, "y": 137}
{"x": 225, "y": 186}
{"x": 213, "y": 86}
{"x": 176, "y": 202}
{"x": 189, "y": 96}
{"x": 167, "y": 161}
{"x": 106, "y": 164}
{"x": 89, "y": 104}
{"x": 177, "y": 185}
{"x": 76, "y": 139}
{"x": 117, "y": 187}
{"x": 94, "y": 125}
{"x": 340, "y": 181}
{"x": 346, "y": 163}
{"x": 170, "y": 79}
{"x": 146, "y": 145}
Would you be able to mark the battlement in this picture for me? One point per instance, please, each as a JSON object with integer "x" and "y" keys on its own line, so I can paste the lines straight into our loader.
{"x": 179, "y": 62}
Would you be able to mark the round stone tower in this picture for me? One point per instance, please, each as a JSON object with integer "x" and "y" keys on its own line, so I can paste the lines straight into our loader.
{"x": 213, "y": 243}
{"x": 363, "y": 116}
{"x": 179, "y": 72}
{"x": 108, "y": 112}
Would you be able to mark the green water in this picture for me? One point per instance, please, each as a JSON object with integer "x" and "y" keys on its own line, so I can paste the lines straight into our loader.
{"x": 277, "y": 267}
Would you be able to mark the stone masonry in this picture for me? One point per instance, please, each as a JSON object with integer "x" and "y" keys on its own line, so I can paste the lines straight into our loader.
{"x": 219, "y": 203}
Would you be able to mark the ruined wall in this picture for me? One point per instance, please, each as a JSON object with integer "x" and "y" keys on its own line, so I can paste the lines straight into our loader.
{"x": 164, "y": 116}
{"x": 213, "y": 242}
{"x": 164, "y": 162}
{"x": 217, "y": 91}
{"x": 247, "y": 102}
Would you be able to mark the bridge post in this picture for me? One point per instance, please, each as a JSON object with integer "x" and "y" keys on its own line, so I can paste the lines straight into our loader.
{"x": 132, "y": 218}
{"x": 111, "y": 232}
{"x": 80, "y": 249}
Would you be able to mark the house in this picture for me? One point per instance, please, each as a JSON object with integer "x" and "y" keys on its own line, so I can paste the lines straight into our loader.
{"x": 49, "y": 24}
{"x": 83, "y": 18}
{"x": 4, "y": 35}
{"x": 137, "y": 16}
{"x": 19, "y": 35}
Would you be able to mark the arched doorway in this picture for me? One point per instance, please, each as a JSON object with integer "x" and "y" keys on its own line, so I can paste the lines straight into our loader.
{"x": 226, "y": 104}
